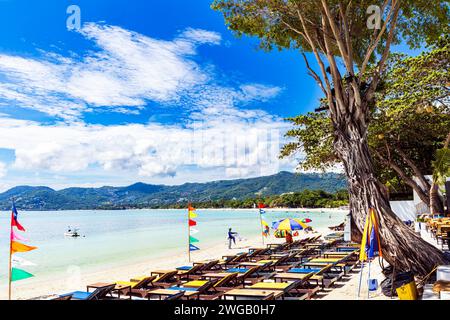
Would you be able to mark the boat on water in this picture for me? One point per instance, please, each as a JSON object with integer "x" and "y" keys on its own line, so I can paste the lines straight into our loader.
{"x": 72, "y": 233}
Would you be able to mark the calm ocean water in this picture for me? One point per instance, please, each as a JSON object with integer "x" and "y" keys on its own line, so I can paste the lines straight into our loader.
{"x": 116, "y": 238}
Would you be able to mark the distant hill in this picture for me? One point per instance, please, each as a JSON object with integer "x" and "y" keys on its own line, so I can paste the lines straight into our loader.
{"x": 147, "y": 195}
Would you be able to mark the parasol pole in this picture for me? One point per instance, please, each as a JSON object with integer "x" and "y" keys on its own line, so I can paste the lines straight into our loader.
{"x": 360, "y": 278}
{"x": 262, "y": 228}
{"x": 368, "y": 282}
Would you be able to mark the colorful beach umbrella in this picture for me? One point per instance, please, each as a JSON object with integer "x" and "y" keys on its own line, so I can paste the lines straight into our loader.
{"x": 289, "y": 224}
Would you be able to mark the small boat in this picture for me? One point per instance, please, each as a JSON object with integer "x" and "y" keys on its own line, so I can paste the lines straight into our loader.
{"x": 72, "y": 233}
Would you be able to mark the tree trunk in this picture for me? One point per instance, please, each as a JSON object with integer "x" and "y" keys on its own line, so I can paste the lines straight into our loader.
{"x": 436, "y": 205}
{"x": 399, "y": 243}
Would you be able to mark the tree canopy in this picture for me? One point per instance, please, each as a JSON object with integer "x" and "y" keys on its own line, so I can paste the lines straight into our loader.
{"x": 410, "y": 122}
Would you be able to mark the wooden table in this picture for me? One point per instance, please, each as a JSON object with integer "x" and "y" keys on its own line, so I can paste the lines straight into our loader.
{"x": 252, "y": 294}
{"x": 117, "y": 289}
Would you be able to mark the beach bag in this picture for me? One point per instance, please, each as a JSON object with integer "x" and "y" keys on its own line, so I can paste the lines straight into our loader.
{"x": 389, "y": 289}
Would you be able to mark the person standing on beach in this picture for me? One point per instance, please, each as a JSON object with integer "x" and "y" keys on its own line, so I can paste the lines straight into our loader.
{"x": 231, "y": 238}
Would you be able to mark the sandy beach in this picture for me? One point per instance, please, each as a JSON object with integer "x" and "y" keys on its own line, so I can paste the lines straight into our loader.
{"x": 76, "y": 279}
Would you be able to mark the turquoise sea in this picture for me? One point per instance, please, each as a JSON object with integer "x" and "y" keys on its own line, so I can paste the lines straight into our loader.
{"x": 117, "y": 238}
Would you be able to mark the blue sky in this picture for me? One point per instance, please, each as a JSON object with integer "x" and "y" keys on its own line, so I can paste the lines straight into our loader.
{"x": 152, "y": 91}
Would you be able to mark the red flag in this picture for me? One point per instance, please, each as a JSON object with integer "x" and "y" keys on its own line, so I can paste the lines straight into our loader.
{"x": 15, "y": 223}
{"x": 261, "y": 205}
{"x": 192, "y": 223}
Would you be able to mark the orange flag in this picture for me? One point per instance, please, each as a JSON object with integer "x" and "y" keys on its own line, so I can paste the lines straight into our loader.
{"x": 20, "y": 247}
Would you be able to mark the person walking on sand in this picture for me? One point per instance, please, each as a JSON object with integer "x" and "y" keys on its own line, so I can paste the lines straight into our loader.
{"x": 231, "y": 238}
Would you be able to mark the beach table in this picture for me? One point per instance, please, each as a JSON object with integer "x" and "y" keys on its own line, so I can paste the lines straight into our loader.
{"x": 118, "y": 289}
{"x": 251, "y": 294}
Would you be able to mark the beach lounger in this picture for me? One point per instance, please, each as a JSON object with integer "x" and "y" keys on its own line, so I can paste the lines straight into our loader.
{"x": 232, "y": 260}
{"x": 137, "y": 288}
{"x": 318, "y": 275}
{"x": 100, "y": 293}
{"x": 222, "y": 285}
{"x": 244, "y": 275}
{"x": 323, "y": 273}
{"x": 188, "y": 292}
{"x": 252, "y": 294}
{"x": 63, "y": 298}
{"x": 176, "y": 296}
{"x": 290, "y": 289}
{"x": 164, "y": 278}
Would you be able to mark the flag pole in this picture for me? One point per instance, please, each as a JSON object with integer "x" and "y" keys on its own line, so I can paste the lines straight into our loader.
{"x": 10, "y": 257}
{"x": 261, "y": 224}
{"x": 189, "y": 234}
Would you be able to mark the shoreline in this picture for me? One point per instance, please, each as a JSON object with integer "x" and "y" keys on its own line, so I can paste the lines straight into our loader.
{"x": 313, "y": 210}
{"x": 76, "y": 279}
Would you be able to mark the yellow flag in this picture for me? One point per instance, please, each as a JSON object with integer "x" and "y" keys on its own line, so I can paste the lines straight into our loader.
{"x": 192, "y": 214}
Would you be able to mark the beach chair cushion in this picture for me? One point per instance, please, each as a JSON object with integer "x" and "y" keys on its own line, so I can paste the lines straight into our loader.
{"x": 195, "y": 283}
{"x": 303, "y": 270}
{"x": 184, "y": 268}
{"x": 266, "y": 261}
{"x": 79, "y": 295}
{"x": 238, "y": 270}
{"x": 182, "y": 288}
{"x": 270, "y": 285}
{"x": 325, "y": 260}
{"x": 131, "y": 284}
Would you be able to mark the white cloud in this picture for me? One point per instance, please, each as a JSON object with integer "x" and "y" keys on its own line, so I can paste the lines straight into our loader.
{"x": 259, "y": 92}
{"x": 245, "y": 145}
{"x": 126, "y": 70}
{"x": 2, "y": 169}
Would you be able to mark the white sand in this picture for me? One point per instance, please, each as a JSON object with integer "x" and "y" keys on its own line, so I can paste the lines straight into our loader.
{"x": 76, "y": 279}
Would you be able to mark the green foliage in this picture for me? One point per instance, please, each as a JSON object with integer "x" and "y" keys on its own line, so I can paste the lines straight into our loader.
{"x": 441, "y": 166}
{"x": 313, "y": 134}
{"x": 412, "y": 116}
{"x": 232, "y": 193}
{"x": 303, "y": 199}
{"x": 274, "y": 22}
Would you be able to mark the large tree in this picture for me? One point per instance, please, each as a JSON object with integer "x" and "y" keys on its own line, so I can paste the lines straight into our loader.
{"x": 408, "y": 125}
{"x": 344, "y": 40}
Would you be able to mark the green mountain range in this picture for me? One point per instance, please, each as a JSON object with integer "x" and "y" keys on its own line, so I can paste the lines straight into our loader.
{"x": 141, "y": 195}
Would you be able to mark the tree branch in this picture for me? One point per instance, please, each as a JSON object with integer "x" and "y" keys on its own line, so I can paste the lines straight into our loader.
{"x": 314, "y": 74}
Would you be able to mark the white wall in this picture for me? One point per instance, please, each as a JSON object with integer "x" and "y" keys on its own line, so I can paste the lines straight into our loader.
{"x": 405, "y": 210}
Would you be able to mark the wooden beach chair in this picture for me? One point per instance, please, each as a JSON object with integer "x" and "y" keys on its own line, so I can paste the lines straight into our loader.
{"x": 290, "y": 289}
{"x": 102, "y": 293}
{"x": 137, "y": 288}
{"x": 188, "y": 292}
